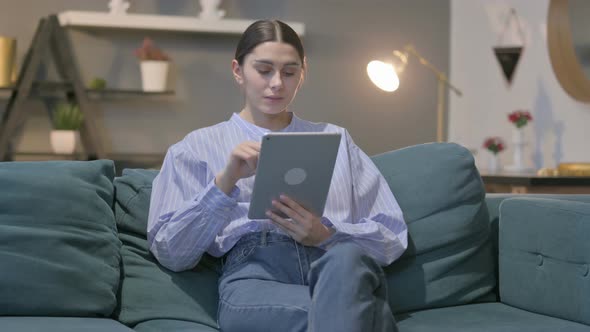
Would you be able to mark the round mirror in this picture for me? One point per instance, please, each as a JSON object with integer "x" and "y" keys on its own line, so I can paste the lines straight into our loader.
{"x": 568, "y": 41}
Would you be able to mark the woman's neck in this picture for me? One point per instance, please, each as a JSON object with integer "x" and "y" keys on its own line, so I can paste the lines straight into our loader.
{"x": 272, "y": 122}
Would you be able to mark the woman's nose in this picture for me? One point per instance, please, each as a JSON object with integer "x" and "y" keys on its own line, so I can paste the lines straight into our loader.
{"x": 276, "y": 82}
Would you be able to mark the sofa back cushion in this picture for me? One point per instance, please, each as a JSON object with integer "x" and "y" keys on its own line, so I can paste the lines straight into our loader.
{"x": 449, "y": 259}
{"x": 148, "y": 290}
{"x": 59, "y": 251}
{"x": 545, "y": 257}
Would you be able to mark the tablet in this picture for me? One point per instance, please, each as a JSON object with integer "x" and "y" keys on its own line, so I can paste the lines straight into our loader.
{"x": 299, "y": 165}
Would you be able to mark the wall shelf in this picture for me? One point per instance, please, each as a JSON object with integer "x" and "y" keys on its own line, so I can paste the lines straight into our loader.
{"x": 54, "y": 89}
{"x": 160, "y": 22}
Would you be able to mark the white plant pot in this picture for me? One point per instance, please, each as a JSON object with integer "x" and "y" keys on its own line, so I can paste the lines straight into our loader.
{"x": 63, "y": 141}
{"x": 154, "y": 75}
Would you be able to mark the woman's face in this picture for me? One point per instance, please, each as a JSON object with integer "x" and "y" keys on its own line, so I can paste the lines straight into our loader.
{"x": 270, "y": 77}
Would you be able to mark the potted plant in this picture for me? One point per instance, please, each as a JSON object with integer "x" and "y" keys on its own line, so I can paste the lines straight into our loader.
{"x": 67, "y": 120}
{"x": 519, "y": 118}
{"x": 98, "y": 83}
{"x": 494, "y": 145}
{"x": 154, "y": 65}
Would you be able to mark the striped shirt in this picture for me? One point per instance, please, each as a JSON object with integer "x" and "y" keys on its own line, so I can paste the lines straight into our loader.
{"x": 189, "y": 215}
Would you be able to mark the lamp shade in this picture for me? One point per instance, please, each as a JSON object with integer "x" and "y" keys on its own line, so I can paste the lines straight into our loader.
{"x": 383, "y": 75}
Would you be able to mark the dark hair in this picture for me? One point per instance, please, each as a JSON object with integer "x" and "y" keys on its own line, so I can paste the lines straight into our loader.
{"x": 264, "y": 31}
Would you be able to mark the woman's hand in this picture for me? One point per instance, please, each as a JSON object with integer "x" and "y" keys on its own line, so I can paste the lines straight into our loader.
{"x": 242, "y": 164}
{"x": 305, "y": 227}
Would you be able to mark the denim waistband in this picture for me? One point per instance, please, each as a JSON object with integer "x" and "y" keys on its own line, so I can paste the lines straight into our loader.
{"x": 249, "y": 241}
{"x": 262, "y": 238}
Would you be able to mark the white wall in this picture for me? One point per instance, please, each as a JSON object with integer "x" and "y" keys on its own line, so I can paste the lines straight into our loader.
{"x": 561, "y": 126}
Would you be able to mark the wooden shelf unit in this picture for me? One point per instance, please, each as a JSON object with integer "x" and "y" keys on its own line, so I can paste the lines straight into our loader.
{"x": 50, "y": 31}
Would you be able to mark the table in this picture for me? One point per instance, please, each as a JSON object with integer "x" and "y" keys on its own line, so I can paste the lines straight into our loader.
{"x": 524, "y": 183}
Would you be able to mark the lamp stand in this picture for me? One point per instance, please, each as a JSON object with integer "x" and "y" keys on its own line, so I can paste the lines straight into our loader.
{"x": 440, "y": 111}
{"x": 443, "y": 82}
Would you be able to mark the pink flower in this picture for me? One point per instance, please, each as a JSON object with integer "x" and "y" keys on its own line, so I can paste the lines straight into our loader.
{"x": 494, "y": 144}
{"x": 520, "y": 118}
{"x": 149, "y": 51}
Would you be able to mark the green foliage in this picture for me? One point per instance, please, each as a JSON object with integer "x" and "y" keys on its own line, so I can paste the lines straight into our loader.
{"x": 98, "y": 83}
{"x": 67, "y": 116}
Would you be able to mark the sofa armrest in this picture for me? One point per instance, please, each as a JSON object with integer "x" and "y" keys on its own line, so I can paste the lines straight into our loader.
{"x": 544, "y": 256}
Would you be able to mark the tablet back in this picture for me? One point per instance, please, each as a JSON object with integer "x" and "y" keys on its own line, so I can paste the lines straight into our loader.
{"x": 299, "y": 165}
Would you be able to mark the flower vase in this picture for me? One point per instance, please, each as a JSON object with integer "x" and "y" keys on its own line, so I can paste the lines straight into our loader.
{"x": 494, "y": 163}
{"x": 518, "y": 145}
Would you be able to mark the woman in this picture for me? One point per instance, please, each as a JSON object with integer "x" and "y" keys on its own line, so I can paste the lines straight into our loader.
{"x": 309, "y": 273}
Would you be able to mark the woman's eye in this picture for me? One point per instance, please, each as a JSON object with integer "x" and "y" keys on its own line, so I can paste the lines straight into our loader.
{"x": 263, "y": 72}
{"x": 288, "y": 74}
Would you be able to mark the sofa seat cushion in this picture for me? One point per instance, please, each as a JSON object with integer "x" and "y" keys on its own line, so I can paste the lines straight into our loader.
{"x": 148, "y": 290}
{"x": 449, "y": 260}
{"x": 545, "y": 257}
{"x": 484, "y": 317}
{"x": 59, "y": 250}
{"x": 159, "y": 325}
{"x": 61, "y": 324}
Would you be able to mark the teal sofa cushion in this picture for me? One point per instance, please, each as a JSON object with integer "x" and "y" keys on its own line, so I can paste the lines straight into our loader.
{"x": 484, "y": 317}
{"x": 61, "y": 324}
{"x": 59, "y": 251}
{"x": 148, "y": 290}
{"x": 449, "y": 259}
{"x": 159, "y": 325}
{"x": 493, "y": 201}
{"x": 545, "y": 257}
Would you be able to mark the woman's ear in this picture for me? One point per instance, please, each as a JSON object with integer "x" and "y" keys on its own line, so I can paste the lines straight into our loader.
{"x": 237, "y": 71}
{"x": 303, "y": 71}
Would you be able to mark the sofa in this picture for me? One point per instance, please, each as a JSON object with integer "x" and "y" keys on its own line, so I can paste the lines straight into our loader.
{"x": 74, "y": 255}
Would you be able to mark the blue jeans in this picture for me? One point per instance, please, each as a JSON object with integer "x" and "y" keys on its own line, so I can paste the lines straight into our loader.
{"x": 272, "y": 283}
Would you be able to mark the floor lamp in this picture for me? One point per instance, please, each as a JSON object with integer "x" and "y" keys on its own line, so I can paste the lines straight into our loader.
{"x": 385, "y": 76}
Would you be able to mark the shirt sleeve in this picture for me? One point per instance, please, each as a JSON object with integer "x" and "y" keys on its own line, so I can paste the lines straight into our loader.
{"x": 377, "y": 223}
{"x": 187, "y": 210}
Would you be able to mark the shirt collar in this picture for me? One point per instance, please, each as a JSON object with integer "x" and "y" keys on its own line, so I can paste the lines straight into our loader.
{"x": 259, "y": 131}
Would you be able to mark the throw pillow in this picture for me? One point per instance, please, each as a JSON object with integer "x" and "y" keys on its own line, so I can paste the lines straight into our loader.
{"x": 449, "y": 259}
{"x": 148, "y": 290}
{"x": 59, "y": 251}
